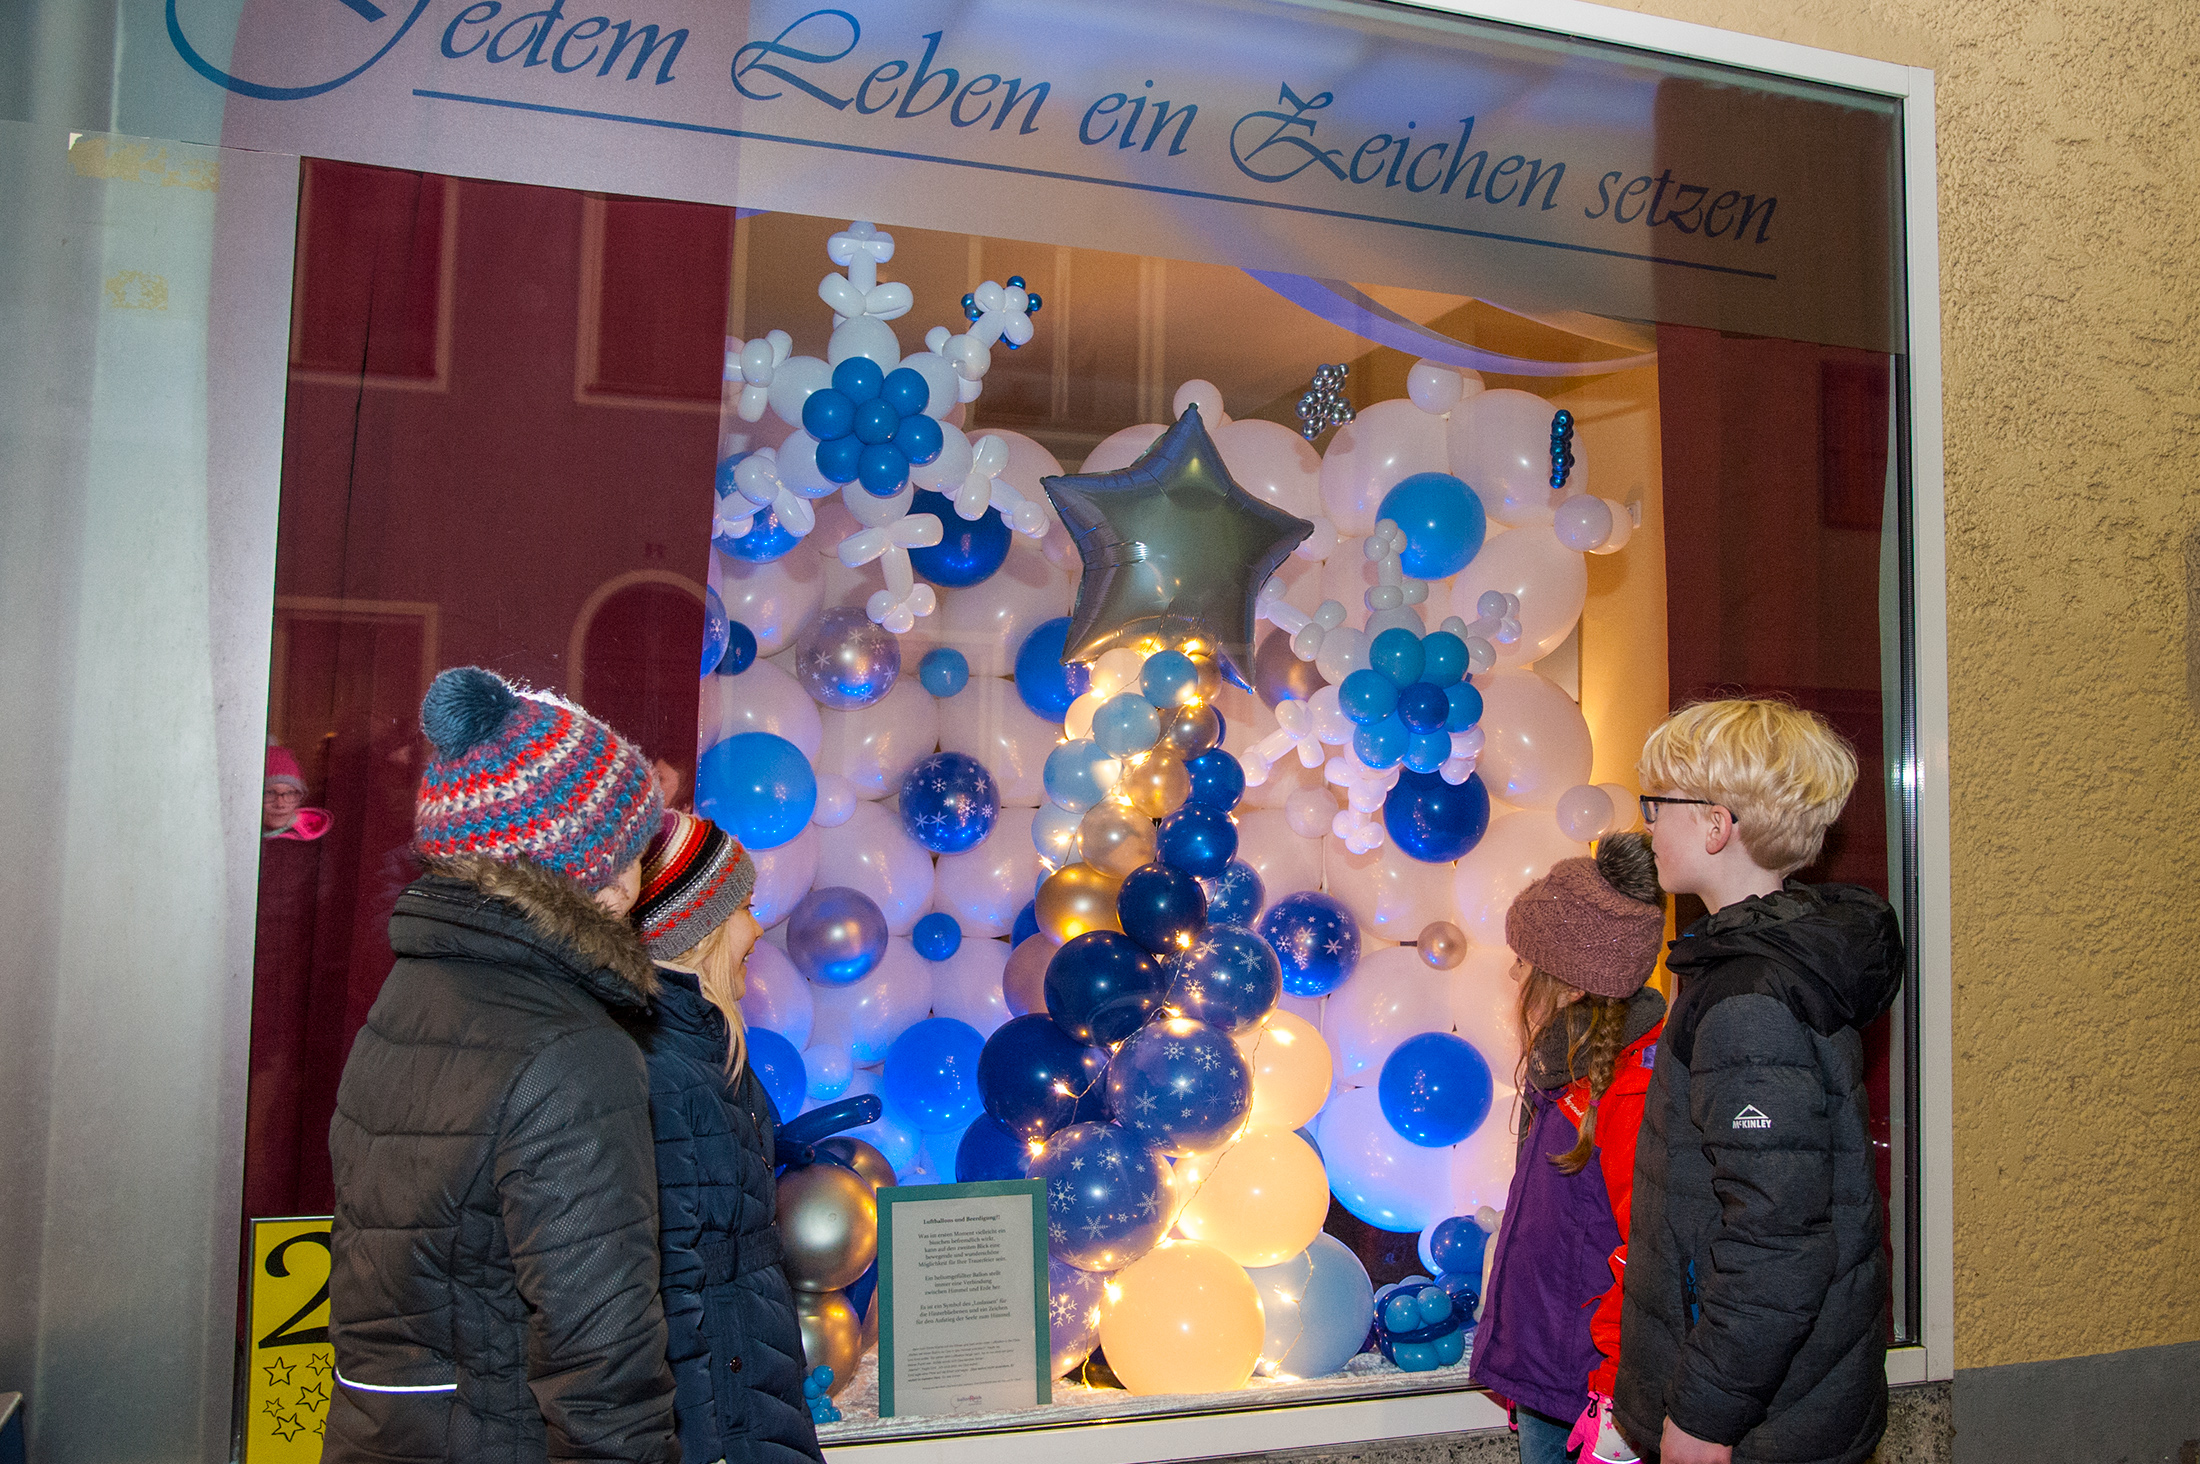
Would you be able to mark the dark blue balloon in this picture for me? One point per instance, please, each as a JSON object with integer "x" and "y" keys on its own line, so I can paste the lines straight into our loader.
{"x": 1181, "y": 1085}
{"x": 766, "y": 540}
{"x": 828, "y": 414}
{"x": 1218, "y": 779}
{"x": 919, "y": 438}
{"x": 989, "y": 1151}
{"x": 779, "y": 1068}
{"x": 1234, "y": 896}
{"x": 1435, "y": 1089}
{"x": 937, "y": 936}
{"x": 1466, "y": 706}
{"x": 839, "y": 458}
{"x": 905, "y": 390}
{"x": 876, "y": 422}
{"x": 1380, "y": 744}
{"x": 931, "y": 1074}
{"x": 1032, "y": 1074}
{"x": 728, "y": 484}
{"x": 757, "y": 787}
{"x": 1457, "y": 1245}
{"x": 1423, "y": 707}
{"x": 949, "y": 802}
{"x": 716, "y": 629}
{"x": 858, "y": 379}
{"x": 1315, "y": 938}
{"x": 882, "y": 469}
{"x": 1230, "y": 980}
{"x": 1435, "y": 821}
{"x": 1108, "y": 1197}
{"x": 1046, "y": 685}
{"x": 1160, "y": 908}
{"x": 740, "y": 649}
{"x": 1197, "y": 839}
{"x": 1101, "y": 987}
{"x": 969, "y": 550}
{"x": 944, "y": 671}
{"x": 1026, "y": 926}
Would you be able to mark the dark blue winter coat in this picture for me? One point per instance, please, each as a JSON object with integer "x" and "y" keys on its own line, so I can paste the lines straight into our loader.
{"x": 733, "y": 1339}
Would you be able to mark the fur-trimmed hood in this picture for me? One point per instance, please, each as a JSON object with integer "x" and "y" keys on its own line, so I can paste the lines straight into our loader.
{"x": 471, "y": 907}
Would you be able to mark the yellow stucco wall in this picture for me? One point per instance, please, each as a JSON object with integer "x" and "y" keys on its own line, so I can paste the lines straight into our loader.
{"x": 2070, "y": 238}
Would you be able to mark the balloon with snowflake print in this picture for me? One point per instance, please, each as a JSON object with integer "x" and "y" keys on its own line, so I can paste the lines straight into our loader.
{"x": 1109, "y": 1199}
{"x": 1234, "y": 896}
{"x": 1074, "y": 1299}
{"x": 1181, "y": 1085}
{"x": 1230, "y": 980}
{"x": 949, "y": 802}
{"x": 1315, "y": 938}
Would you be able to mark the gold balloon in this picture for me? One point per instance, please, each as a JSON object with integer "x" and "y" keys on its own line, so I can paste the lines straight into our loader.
{"x": 870, "y": 1322}
{"x": 1115, "y": 838}
{"x": 1442, "y": 944}
{"x": 862, "y": 1158}
{"x": 1192, "y": 730}
{"x": 828, "y": 1220}
{"x": 1158, "y": 785}
{"x": 1024, "y": 982}
{"x": 832, "y": 1336}
{"x": 1291, "y": 1071}
{"x": 1077, "y": 898}
{"x": 1259, "y": 1200}
{"x": 1182, "y": 1318}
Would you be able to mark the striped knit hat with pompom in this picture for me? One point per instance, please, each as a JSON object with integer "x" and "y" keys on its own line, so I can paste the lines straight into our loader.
{"x": 694, "y": 878}
{"x": 526, "y": 775}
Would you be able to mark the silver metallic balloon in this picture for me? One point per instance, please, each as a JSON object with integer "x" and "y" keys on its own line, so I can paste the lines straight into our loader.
{"x": 1190, "y": 731}
{"x": 861, "y": 1157}
{"x": 828, "y": 1221}
{"x": 832, "y": 1336}
{"x": 845, "y": 661}
{"x": 1442, "y": 944}
{"x": 1278, "y": 673}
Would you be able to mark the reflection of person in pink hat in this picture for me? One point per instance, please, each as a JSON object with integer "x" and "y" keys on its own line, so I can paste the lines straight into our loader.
{"x": 283, "y": 814}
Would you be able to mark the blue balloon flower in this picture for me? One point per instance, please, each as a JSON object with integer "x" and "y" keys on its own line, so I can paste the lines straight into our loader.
{"x": 858, "y": 379}
{"x": 969, "y": 550}
{"x": 905, "y": 390}
{"x": 1443, "y": 658}
{"x": 740, "y": 649}
{"x": 1397, "y": 654}
{"x": 1197, "y": 839}
{"x": 1435, "y": 821}
{"x": 944, "y": 671}
{"x": 1466, "y": 706}
{"x": 1181, "y": 1085}
{"x": 1234, "y": 896}
{"x": 1218, "y": 779}
{"x": 1422, "y": 707}
{"x": 1367, "y": 696}
{"x": 1443, "y": 520}
{"x": 717, "y": 629}
{"x": 1101, "y": 987}
{"x": 1161, "y": 908}
{"x": 932, "y": 1074}
{"x": 1045, "y": 684}
{"x": 989, "y": 1151}
{"x": 937, "y": 936}
{"x": 1380, "y": 744}
{"x": 1032, "y": 1076}
{"x": 779, "y": 1068}
{"x": 949, "y": 802}
{"x": 1108, "y": 1196}
{"x": 757, "y": 787}
{"x": 1435, "y": 1089}
{"x": 1316, "y": 940}
{"x": 1230, "y": 980}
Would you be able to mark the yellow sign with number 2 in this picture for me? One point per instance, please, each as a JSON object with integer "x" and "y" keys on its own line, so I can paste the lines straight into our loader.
{"x": 290, "y": 1367}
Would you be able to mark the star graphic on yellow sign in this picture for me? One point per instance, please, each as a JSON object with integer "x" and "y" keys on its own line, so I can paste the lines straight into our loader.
{"x": 275, "y": 1381}
{"x": 287, "y": 1427}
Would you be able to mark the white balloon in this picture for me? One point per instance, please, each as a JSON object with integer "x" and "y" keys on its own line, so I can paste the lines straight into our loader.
{"x": 776, "y": 601}
{"x": 871, "y": 853}
{"x": 1626, "y": 810}
{"x": 967, "y": 985}
{"x": 1285, "y": 862}
{"x": 1582, "y": 522}
{"x": 1551, "y": 580}
{"x": 1272, "y": 462}
{"x": 990, "y": 722}
{"x": 1500, "y": 443}
{"x": 874, "y": 512}
{"x": 984, "y": 887}
{"x": 1054, "y": 834}
{"x": 1434, "y": 387}
{"x": 1623, "y": 528}
{"x": 1518, "y": 849}
{"x": 947, "y": 471}
{"x": 1535, "y": 740}
{"x": 1485, "y": 1007}
{"x": 798, "y": 468}
{"x": 874, "y": 747}
{"x": 1393, "y": 895}
{"x": 792, "y": 382}
{"x": 1310, "y": 811}
{"x": 1344, "y": 651}
{"x": 1117, "y": 452}
{"x": 988, "y": 622}
{"x": 1391, "y": 996}
{"x": 829, "y": 1066}
{"x": 1368, "y": 457}
{"x": 1388, "y": 1182}
{"x": 1482, "y": 1163}
{"x": 776, "y": 995}
{"x": 940, "y": 377}
{"x": 761, "y": 699}
{"x": 783, "y": 876}
{"x": 895, "y": 996}
{"x": 864, "y": 336}
{"x": 1204, "y": 395}
{"x": 1584, "y": 812}
{"x": 836, "y": 801}
{"x": 893, "y": 1135}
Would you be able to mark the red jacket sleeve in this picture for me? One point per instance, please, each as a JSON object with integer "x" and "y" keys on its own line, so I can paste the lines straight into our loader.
{"x": 1619, "y": 1118}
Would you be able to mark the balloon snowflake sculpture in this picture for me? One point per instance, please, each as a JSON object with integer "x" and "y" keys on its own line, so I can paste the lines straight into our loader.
{"x": 870, "y": 425}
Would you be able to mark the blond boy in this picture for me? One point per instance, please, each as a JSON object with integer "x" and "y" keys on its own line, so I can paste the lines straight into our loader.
{"x": 1756, "y": 1278}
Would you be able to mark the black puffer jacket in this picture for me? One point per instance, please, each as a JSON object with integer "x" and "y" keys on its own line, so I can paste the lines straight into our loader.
{"x": 735, "y": 1343}
{"x": 1756, "y": 1282}
{"x": 493, "y": 1289}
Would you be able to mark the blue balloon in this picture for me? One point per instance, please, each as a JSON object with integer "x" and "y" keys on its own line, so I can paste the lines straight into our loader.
{"x": 836, "y": 935}
{"x": 766, "y": 540}
{"x": 1168, "y": 678}
{"x": 1380, "y": 744}
{"x": 717, "y": 629}
{"x": 937, "y": 936}
{"x": 1197, "y": 839}
{"x": 905, "y": 390}
{"x": 1074, "y": 1302}
{"x": 1046, "y": 685}
{"x": 1026, "y": 926}
{"x": 932, "y": 1074}
{"x": 1443, "y": 658}
{"x": 1367, "y": 696}
{"x": 969, "y": 550}
{"x": 1032, "y": 1076}
{"x": 858, "y": 379}
{"x": 728, "y": 484}
{"x": 1466, "y": 706}
{"x": 839, "y": 459}
{"x": 1435, "y": 821}
{"x": 1443, "y": 520}
{"x": 1126, "y": 723}
{"x": 944, "y": 671}
{"x": 989, "y": 1151}
{"x": 1457, "y": 1245}
{"x": 1218, "y": 779}
{"x": 1397, "y": 654}
{"x": 1435, "y": 1089}
{"x": 827, "y": 414}
{"x": 1181, "y": 1085}
{"x": 740, "y": 649}
{"x": 1423, "y": 708}
{"x": 1078, "y": 774}
{"x": 1160, "y": 908}
{"x": 876, "y": 422}
{"x": 757, "y": 787}
{"x": 882, "y": 469}
{"x": 1234, "y": 896}
{"x": 1108, "y": 1196}
{"x": 779, "y": 1068}
{"x": 1315, "y": 938}
{"x": 949, "y": 802}
{"x": 1230, "y": 980}
{"x": 1427, "y": 751}
{"x": 1101, "y": 987}
{"x": 919, "y": 438}
{"x": 1318, "y": 1306}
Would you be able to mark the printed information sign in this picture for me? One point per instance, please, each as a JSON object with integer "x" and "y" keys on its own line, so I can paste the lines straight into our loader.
{"x": 963, "y": 1298}
{"x": 290, "y": 1369}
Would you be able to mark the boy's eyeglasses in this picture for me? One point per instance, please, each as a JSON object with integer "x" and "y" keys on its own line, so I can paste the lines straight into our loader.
{"x": 1650, "y": 806}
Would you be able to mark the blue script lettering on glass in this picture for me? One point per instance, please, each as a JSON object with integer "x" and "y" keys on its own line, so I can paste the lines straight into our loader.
{"x": 1280, "y": 136}
{"x": 947, "y": 76}
{"x": 929, "y": 87}
{"x": 756, "y": 56}
{"x": 1687, "y": 213}
{"x": 244, "y": 88}
{"x": 1164, "y": 112}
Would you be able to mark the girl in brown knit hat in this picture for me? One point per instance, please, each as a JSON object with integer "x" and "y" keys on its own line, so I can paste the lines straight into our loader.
{"x": 1587, "y": 936}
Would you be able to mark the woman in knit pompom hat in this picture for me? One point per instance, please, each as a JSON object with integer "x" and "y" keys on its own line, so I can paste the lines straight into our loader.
{"x": 493, "y": 1286}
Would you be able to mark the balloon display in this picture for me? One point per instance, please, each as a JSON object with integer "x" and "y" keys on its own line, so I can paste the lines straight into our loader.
{"x": 949, "y": 802}
{"x": 1197, "y": 839}
{"x": 1259, "y": 1200}
{"x": 1291, "y": 1070}
{"x": 1074, "y": 1299}
{"x": 757, "y": 787}
{"x": 1435, "y": 1089}
{"x": 836, "y": 935}
{"x": 1109, "y": 1197}
{"x": 828, "y": 1222}
{"x": 1315, "y": 938}
{"x": 1180, "y": 1085}
{"x": 1435, "y": 821}
{"x": 1316, "y": 1307}
{"x": 843, "y": 660}
{"x": 1046, "y": 685}
{"x": 1101, "y": 987}
{"x": 989, "y": 1151}
{"x": 1234, "y": 896}
{"x": 1230, "y": 979}
{"x": 1183, "y": 1318}
{"x": 1161, "y": 908}
{"x": 1031, "y": 1076}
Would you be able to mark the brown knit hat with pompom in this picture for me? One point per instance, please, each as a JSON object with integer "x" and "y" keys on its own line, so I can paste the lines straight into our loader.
{"x": 1575, "y": 925}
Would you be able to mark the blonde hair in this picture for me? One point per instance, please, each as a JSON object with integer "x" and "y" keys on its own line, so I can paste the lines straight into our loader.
{"x": 1781, "y": 771}
{"x": 707, "y": 959}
